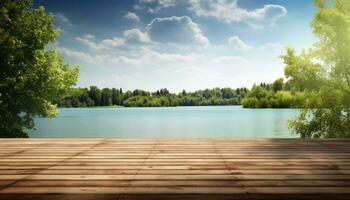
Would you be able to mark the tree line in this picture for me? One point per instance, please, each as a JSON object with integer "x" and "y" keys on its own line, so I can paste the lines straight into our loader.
{"x": 278, "y": 94}
{"x": 93, "y": 96}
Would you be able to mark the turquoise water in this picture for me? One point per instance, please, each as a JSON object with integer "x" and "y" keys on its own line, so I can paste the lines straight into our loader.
{"x": 172, "y": 122}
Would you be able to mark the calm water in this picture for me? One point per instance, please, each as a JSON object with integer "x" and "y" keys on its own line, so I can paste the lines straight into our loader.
{"x": 182, "y": 122}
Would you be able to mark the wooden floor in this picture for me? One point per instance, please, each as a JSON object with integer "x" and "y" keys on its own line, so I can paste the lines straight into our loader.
{"x": 174, "y": 169}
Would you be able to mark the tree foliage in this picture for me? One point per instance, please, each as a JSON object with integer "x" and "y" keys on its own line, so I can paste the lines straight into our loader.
{"x": 323, "y": 73}
{"x": 83, "y": 97}
{"x": 32, "y": 75}
{"x": 275, "y": 95}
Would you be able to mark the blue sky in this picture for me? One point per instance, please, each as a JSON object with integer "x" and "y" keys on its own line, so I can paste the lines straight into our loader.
{"x": 178, "y": 44}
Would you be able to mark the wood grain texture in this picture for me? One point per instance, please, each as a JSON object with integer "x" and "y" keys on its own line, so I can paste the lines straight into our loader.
{"x": 65, "y": 168}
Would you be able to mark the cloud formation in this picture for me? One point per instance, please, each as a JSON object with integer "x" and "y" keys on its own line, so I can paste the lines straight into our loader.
{"x": 90, "y": 41}
{"x": 227, "y": 11}
{"x": 132, "y": 16}
{"x": 157, "y": 5}
{"x": 169, "y": 30}
{"x": 238, "y": 44}
{"x": 178, "y": 30}
{"x": 135, "y": 36}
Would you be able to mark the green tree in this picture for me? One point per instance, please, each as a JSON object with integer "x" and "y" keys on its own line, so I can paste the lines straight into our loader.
{"x": 258, "y": 92}
{"x": 106, "y": 97}
{"x": 251, "y": 102}
{"x": 228, "y": 93}
{"x": 284, "y": 99}
{"x": 116, "y": 96}
{"x": 95, "y": 95}
{"x": 277, "y": 85}
{"x": 32, "y": 75}
{"x": 326, "y": 83}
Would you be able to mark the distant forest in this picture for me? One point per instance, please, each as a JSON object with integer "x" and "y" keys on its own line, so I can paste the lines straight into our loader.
{"x": 278, "y": 94}
{"x": 93, "y": 96}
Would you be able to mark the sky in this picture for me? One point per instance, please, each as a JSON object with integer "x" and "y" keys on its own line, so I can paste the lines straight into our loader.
{"x": 178, "y": 44}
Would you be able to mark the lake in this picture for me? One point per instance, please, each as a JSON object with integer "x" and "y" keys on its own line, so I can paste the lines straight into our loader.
{"x": 170, "y": 122}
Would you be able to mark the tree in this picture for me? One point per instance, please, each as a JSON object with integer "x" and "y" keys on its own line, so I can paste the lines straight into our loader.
{"x": 32, "y": 75}
{"x": 106, "y": 97}
{"x": 95, "y": 95}
{"x": 115, "y": 97}
{"x": 258, "y": 92}
{"x": 183, "y": 93}
{"x": 207, "y": 93}
{"x": 256, "y": 98}
{"x": 277, "y": 85}
{"x": 228, "y": 93}
{"x": 326, "y": 83}
{"x": 276, "y": 96}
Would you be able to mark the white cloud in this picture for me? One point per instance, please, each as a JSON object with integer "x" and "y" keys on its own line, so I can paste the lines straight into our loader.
{"x": 132, "y": 16}
{"x": 129, "y": 38}
{"x": 89, "y": 36}
{"x": 139, "y": 57}
{"x": 238, "y": 44}
{"x": 178, "y": 30}
{"x": 224, "y": 10}
{"x": 89, "y": 40}
{"x": 163, "y": 3}
{"x": 135, "y": 36}
{"x": 227, "y": 11}
{"x": 166, "y": 3}
{"x": 159, "y": 4}
{"x": 269, "y": 14}
{"x": 114, "y": 42}
{"x": 81, "y": 56}
{"x": 97, "y": 58}
{"x": 114, "y": 60}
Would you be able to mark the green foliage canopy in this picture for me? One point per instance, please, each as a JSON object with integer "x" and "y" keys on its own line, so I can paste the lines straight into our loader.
{"x": 323, "y": 73}
{"x": 32, "y": 75}
{"x": 83, "y": 97}
{"x": 275, "y": 95}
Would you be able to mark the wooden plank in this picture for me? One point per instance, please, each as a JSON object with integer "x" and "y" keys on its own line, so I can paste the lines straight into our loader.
{"x": 169, "y": 171}
{"x": 181, "y": 183}
{"x": 178, "y": 177}
{"x": 179, "y": 190}
{"x": 165, "y": 158}
{"x": 195, "y": 169}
